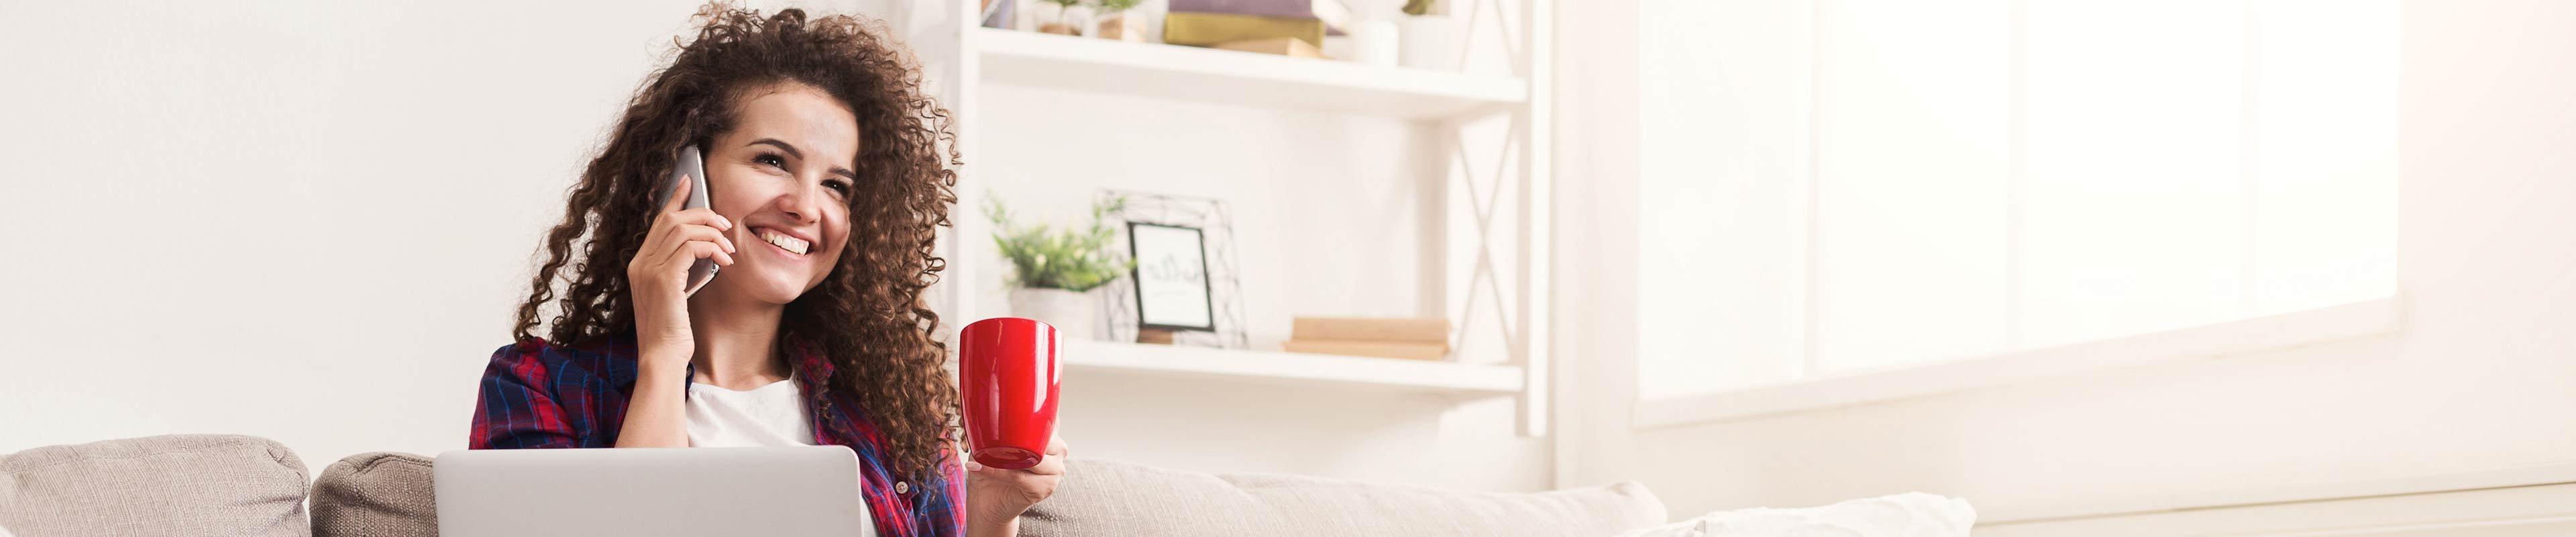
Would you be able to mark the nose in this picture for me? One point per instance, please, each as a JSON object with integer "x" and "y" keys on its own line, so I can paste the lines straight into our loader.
{"x": 803, "y": 203}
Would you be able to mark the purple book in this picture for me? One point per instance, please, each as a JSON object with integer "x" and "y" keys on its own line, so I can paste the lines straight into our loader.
{"x": 1295, "y": 9}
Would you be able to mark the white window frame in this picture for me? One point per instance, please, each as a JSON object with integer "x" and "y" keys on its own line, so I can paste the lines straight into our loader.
{"x": 2329, "y": 324}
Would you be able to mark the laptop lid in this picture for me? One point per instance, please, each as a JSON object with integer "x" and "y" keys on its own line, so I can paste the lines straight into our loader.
{"x": 804, "y": 490}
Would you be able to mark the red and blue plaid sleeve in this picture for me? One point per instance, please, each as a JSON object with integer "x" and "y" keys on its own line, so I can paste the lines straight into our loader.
{"x": 945, "y": 496}
{"x": 515, "y": 409}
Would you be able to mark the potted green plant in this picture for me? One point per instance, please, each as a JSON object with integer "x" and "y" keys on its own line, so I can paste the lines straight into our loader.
{"x": 1114, "y": 22}
{"x": 1064, "y": 9}
{"x": 1053, "y": 270}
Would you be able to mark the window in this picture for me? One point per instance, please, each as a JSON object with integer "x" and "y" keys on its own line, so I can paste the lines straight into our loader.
{"x": 1844, "y": 186}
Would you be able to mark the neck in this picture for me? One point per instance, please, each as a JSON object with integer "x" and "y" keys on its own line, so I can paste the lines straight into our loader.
{"x": 737, "y": 340}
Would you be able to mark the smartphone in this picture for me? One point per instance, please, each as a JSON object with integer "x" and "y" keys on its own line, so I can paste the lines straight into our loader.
{"x": 692, "y": 167}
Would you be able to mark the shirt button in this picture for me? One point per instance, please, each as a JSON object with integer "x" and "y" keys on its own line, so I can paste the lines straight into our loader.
{"x": 901, "y": 487}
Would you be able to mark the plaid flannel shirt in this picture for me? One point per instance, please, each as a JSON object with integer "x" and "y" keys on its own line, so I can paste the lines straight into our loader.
{"x": 541, "y": 395}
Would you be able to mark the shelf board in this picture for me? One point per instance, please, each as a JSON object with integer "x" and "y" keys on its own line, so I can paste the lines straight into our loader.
{"x": 1288, "y": 368}
{"x": 1232, "y": 77}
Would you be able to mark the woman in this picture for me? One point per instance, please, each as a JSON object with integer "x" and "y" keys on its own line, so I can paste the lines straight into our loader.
{"x": 826, "y": 184}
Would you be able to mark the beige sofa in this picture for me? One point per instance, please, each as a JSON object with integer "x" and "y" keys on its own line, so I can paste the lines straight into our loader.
{"x": 241, "y": 485}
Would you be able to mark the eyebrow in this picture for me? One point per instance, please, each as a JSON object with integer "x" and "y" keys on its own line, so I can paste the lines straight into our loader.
{"x": 792, "y": 151}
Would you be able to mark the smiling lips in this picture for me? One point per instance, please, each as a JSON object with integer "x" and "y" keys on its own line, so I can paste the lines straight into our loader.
{"x": 783, "y": 242}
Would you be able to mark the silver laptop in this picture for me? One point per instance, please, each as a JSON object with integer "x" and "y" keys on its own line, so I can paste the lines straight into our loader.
{"x": 810, "y": 490}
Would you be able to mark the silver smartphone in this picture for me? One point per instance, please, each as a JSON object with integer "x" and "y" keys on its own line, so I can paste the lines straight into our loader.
{"x": 692, "y": 167}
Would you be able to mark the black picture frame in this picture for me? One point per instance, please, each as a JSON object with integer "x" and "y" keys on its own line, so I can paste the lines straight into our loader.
{"x": 1145, "y": 313}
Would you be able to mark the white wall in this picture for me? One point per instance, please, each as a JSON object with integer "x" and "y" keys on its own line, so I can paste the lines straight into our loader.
{"x": 2476, "y": 379}
{"x": 309, "y": 221}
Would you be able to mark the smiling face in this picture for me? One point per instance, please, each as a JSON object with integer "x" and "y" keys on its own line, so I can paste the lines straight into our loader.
{"x": 782, "y": 175}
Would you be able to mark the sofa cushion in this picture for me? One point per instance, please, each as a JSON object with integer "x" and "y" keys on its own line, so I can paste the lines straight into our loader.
{"x": 1100, "y": 497}
{"x": 154, "y": 486}
{"x": 1912, "y": 514}
{"x": 376, "y": 495}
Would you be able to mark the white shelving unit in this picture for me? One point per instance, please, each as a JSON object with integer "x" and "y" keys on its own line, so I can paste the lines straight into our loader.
{"x": 1231, "y": 77}
{"x": 1293, "y": 369}
{"x": 961, "y": 56}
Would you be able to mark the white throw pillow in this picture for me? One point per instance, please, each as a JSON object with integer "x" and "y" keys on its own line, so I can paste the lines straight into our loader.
{"x": 1912, "y": 514}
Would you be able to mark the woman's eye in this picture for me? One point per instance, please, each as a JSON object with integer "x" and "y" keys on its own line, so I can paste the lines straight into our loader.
{"x": 772, "y": 161}
{"x": 840, "y": 186}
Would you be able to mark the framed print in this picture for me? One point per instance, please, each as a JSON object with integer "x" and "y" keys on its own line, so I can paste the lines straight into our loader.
{"x": 1171, "y": 276}
{"x": 1162, "y": 219}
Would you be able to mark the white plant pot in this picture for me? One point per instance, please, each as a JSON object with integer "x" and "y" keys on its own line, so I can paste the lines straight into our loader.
{"x": 1075, "y": 315}
{"x": 1374, "y": 42}
{"x": 1432, "y": 42}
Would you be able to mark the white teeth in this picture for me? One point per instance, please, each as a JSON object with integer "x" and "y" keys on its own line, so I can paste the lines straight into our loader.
{"x": 784, "y": 242}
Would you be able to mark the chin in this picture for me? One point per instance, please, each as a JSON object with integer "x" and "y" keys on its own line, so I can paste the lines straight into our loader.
{"x": 776, "y": 291}
{"x": 764, "y": 286}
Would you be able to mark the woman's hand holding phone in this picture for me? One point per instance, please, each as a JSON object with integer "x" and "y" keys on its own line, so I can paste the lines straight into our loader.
{"x": 658, "y": 277}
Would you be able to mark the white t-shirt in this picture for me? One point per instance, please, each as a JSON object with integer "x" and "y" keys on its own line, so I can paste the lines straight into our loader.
{"x": 772, "y": 415}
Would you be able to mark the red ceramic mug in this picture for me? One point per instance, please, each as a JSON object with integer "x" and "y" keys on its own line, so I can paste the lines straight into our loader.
{"x": 1007, "y": 375}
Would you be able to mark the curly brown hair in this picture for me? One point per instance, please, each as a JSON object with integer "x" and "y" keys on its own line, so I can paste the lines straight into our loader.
{"x": 866, "y": 317}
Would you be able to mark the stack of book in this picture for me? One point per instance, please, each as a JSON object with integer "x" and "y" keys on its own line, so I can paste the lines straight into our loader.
{"x": 1284, "y": 27}
{"x": 1414, "y": 339}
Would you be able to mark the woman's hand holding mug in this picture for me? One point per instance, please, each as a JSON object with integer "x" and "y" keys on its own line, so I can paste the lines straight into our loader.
{"x": 1007, "y": 380}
